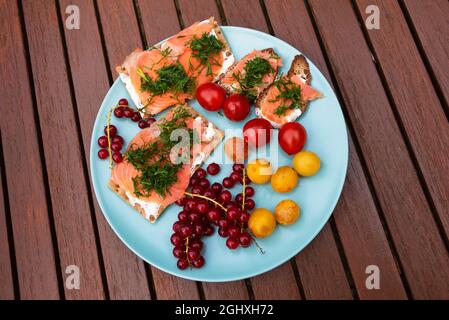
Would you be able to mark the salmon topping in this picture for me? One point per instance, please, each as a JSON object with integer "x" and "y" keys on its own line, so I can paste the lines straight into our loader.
{"x": 285, "y": 96}
{"x": 253, "y": 73}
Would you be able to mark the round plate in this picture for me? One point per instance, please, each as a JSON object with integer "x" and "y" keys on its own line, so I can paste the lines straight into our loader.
{"x": 317, "y": 195}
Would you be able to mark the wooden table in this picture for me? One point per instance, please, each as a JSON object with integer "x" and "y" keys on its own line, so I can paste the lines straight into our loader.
{"x": 392, "y": 83}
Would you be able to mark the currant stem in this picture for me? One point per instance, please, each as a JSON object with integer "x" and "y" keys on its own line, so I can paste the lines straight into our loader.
{"x": 204, "y": 197}
{"x": 109, "y": 135}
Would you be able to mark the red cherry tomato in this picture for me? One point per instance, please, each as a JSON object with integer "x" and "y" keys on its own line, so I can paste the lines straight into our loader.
{"x": 292, "y": 137}
{"x": 210, "y": 96}
{"x": 257, "y": 132}
{"x": 236, "y": 107}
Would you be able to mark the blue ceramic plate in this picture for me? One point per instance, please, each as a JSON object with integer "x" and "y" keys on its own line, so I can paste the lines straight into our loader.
{"x": 317, "y": 195}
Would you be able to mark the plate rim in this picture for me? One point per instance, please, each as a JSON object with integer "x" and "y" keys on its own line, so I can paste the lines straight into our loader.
{"x": 246, "y": 275}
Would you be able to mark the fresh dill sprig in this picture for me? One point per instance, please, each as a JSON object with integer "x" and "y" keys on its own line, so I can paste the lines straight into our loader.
{"x": 205, "y": 48}
{"x": 171, "y": 78}
{"x": 157, "y": 173}
{"x": 288, "y": 91}
{"x": 157, "y": 177}
{"x": 254, "y": 71}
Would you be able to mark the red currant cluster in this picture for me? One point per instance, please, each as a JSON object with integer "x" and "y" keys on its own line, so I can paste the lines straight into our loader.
{"x": 210, "y": 204}
{"x": 116, "y": 144}
{"x": 123, "y": 110}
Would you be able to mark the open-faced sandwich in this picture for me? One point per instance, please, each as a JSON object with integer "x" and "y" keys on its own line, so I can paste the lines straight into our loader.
{"x": 288, "y": 97}
{"x": 168, "y": 73}
{"x": 252, "y": 74}
{"x": 156, "y": 170}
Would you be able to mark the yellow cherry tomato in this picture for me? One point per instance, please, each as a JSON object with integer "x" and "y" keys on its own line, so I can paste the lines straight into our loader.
{"x": 262, "y": 223}
{"x": 287, "y": 212}
{"x": 284, "y": 179}
{"x": 306, "y": 163}
{"x": 259, "y": 171}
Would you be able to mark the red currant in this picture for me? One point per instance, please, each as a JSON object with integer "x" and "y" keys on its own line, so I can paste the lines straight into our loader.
{"x": 183, "y": 216}
{"x": 244, "y": 217}
{"x": 136, "y": 117}
{"x": 234, "y": 231}
{"x": 245, "y": 239}
{"x": 194, "y": 217}
{"x": 228, "y": 183}
{"x": 239, "y": 198}
{"x": 181, "y": 202}
{"x": 176, "y": 239}
{"x": 236, "y": 176}
{"x": 232, "y": 214}
{"x": 176, "y": 226}
{"x": 223, "y": 223}
{"x": 193, "y": 254}
{"x": 202, "y": 207}
{"x": 250, "y": 204}
{"x": 116, "y": 146}
{"x": 103, "y": 153}
{"x": 179, "y": 252}
{"x": 118, "y": 112}
{"x": 201, "y": 173}
{"x": 238, "y": 167}
{"x": 208, "y": 231}
{"x": 182, "y": 264}
{"x": 213, "y": 214}
{"x": 103, "y": 142}
{"x": 213, "y": 169}
{"x": 118, "y": 139}
{"x": 128, "y": 113}
{"x": 232, "y": 243}
{"x": 225, "y": 196}
{"x": 223, "y": 232}
{"x": 198, "y": 263}
{"x": 249, "y": 191}
{"x": 123, "y": 102}
{"x": 117, "y": 157}
{"x": 196, "y": 244}
{"x": 197, "y": 190}
{"x": 143, "y": 124}
{"x": 190, "y": 205}
{"x": 209, "y": 193}
{"x": 186, "y": 231}
{"x": 204, "y": 183}
{"x": 112, "y": 130}
{"x": 150, "y": 121}
{"x": 216, "y": 187}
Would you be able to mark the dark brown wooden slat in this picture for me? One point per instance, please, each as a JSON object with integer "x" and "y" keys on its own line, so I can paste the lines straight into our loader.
{"x": 415, "y": 99}
{"x": 431, "y": 22}
{"x": 72, "y": 213}
{"x": 267, "y": 286}
{"x": 170, "y": 287}
{"x": 34, "y": 253}
{"x": 125, "y": 272}
{"x": 159, "y": 19}
{"x": 236, "y": 14}
{"x": 6, "y": 276}
{"x": 245, "y": 13}
{"x": 192, "y": 11}
{"x": 122, "y": 35}
{"x": 198, "y": 10}
{"x": 356, "y": 217}
{"x": 413, "y": 229}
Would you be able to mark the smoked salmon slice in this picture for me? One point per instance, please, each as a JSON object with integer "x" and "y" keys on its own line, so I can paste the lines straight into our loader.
{"x": 252, "y": 74}
{"x": 169, "y": 73}
{"x": 149, "y": 178}
{"x": 288, "y": 97}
